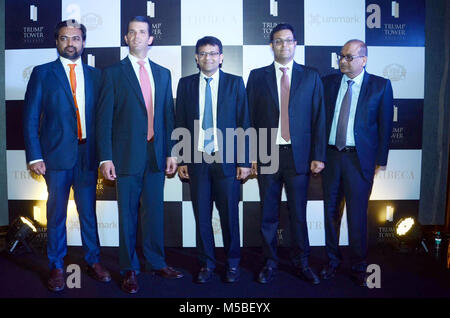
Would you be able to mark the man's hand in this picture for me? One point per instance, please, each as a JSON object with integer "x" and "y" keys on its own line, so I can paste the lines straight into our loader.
{"x": 171, "y": 165}
{"x": 183, "y": 172}
{"x": 242, "y": 173}
{"x": 108, "y": 170}
{"x": 378, "y": 168}
{"x": 254, "y": 171}
{"x": 38, "y": 168}
{"x": 317, "y": 166}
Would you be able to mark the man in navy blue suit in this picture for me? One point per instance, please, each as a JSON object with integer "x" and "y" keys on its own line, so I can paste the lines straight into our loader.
{"x": 210, "y": 102}
{"x": 135, "y": 119}
{"x": 359, "y": 113}
{"x": 286, "y": 100}
{"x": 59, "y": 131}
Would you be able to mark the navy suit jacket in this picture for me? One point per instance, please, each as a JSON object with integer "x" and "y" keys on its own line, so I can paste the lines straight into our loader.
{"x": 50, "y": 120}
{"x": 122, "y": 118}
{"x": 232, "y": 112}
{"x": 373, "y": 118}
{"x": 306, "y": 111}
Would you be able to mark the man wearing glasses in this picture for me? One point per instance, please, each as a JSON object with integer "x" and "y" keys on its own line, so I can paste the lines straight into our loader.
{"x": 359, "y": 116}
{"x": 211, "y": 102}
{"x": 287, "y": 98}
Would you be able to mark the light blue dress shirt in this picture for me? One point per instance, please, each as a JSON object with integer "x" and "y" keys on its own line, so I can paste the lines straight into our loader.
{"x": 356, "y": 88}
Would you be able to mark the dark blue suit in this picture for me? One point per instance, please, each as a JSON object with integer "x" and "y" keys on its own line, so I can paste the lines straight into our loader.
{"x": 350, "y": 175}
{"x": 307, "y": 131}
{"x": 50, "y": 131}
{"x": 140, "y": 165}
{"x": 216, "y": 181}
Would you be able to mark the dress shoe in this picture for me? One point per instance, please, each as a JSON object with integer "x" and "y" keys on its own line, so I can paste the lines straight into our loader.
{"x": 168, "y": 272}
{"x": 98, "y": 272}
{"x": 328, "y": 271}
{"x": 307, "y": 274}
{"x": 360, "y": 278}
{"x": 232, "y": 275}
{"x": 56, "y": 280}
{"x": 129, "y": 283}
{"x": 204, "y": 275}
{"x": 266, "y": 275}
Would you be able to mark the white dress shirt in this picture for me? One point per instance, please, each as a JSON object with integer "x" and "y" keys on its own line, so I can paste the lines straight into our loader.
{"x": 279, "y": 73}
{"x": 214, "y": 83}
{"x": 356, "y": 88}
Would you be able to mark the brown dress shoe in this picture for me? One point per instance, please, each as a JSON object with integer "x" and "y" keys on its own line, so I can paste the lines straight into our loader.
{"x": 56, "y": 280}
{"x": 98, "y": 272}
{"x": 168, "y": 272}
{"x": 129, "y": 283}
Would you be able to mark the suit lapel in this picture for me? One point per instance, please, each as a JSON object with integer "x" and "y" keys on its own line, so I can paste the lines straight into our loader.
{"x": 194, "y": 94}
{"x": 297, "y": 72}
{"x": 157, "y": 82}
{"x": 60, "y": 73}
{"x": 362, "y": 96}
{"x": 220, "y": 93}
{"x": 128, "y": 70}
{"x": 88, "y": 93}
{"x": 271, "y": 80}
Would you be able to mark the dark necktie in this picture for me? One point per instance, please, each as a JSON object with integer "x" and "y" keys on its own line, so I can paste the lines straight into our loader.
{"x": 341, "y": 133}
{"x": 208, "y": 118}
{"x": 285, "y": 133}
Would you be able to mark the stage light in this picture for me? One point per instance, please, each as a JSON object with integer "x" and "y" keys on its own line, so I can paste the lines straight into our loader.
{"x": 409, "y": 235}
{"x": 404, "y": 226}
{"x": 20, "y": 233}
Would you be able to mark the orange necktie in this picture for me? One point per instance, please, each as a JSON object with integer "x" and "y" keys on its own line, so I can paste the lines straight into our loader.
{"x": 73, "y": 85}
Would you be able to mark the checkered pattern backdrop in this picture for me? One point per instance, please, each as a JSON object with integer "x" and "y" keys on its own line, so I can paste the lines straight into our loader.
{"x": 393, "y": 31}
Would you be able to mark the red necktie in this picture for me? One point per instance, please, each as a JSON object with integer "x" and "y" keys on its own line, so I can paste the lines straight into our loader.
{"x": 146, "y": 89}
{"x": 285, "y": 105}
{"x": 73, "y": 85}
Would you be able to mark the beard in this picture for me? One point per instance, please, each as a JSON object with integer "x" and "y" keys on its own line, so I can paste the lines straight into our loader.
{"x": 74, "y": 54}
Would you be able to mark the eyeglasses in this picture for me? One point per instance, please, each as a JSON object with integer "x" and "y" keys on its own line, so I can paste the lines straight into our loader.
{"x": 212, "y": 54}
{"x": 348, "y": 58}
{"x": 279, "y": 42}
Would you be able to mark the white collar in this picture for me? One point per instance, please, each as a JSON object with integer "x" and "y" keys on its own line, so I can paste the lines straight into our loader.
{"x": 357, "y": 79}
{"x": 66, "y": 62}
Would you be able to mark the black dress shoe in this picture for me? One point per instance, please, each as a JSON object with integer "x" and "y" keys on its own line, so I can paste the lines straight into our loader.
{"x": 360, "y": 278}
{"x": 328, "y": 271}
{"x": 129, "y": 283}
{"x": 168, "y": 272}
{"x": 56, "y": 280}
{"x": 266, "y": 275}
{"x": 307, "y": 274}
{"x": 232, "y": 275}
{"x": 204, "y": 275}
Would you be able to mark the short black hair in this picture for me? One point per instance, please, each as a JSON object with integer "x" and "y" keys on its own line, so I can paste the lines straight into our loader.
{"x": 70, "y": 23}
{"x": 141, "y": 18}
{"x": 282, "y": 26}
{"x": 211, "y": 40}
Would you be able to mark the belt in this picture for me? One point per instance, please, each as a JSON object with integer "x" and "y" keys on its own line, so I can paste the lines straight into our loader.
{"x": 345, "y": 149}
{"x": 289, "y": 146}
{"x": 82, "y": 141}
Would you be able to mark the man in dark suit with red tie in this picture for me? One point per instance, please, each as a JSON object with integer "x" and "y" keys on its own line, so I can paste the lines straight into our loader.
{"x": 212, "y": 102}
{"x": 135, "y": 119}
{"x": 59, "y": 131}
{"x": 359, "y": 112}
{"x": 286, "y": 98}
